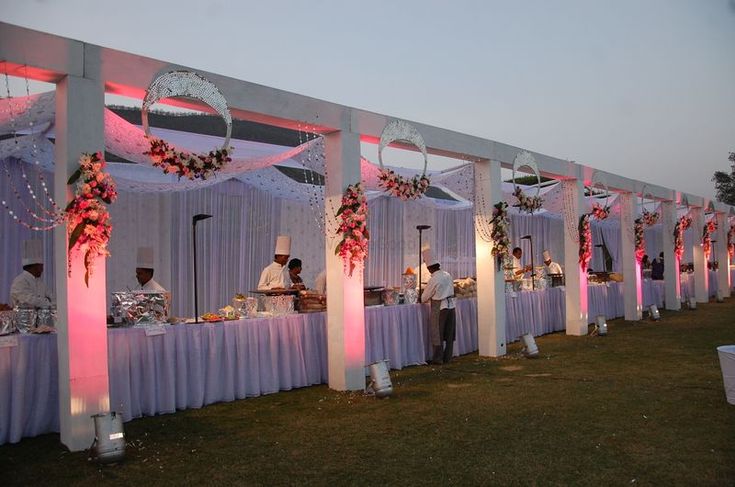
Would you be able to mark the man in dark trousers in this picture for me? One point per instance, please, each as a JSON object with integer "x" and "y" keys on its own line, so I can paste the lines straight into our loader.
{"x": 442, "y": 321}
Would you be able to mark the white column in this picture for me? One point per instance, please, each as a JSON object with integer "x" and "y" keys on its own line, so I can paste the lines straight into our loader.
{"x": 722, "y": 256}
{"x": 490, "y": 279}
{"x": 701, "y": 274}
{"x": 632, "y": 291}
{"x": 574, "y": 277}
{"x": 345, "y": 298}
{"x": 672, "y": 288}
{"x": 81, "y": 325}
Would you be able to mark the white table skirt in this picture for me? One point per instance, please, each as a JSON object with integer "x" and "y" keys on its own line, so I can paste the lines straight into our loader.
{"x": 29, "y": 388}
{"x": 538, "y": 312}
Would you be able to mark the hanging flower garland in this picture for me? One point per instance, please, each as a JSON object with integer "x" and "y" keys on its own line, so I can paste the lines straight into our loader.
{"x": 681, "y": 225}
{"x": 527, "y": 204}
{"x": 731, "y": 241}
{"x": 186, "y": 164}
{"x": 600, "y": 212}
{"x": 649, "y": 218}
{"x": 403, "y": 188}
{"x": 640, "y": 241}
{"x": 585, "y": 241}
{"x": 499, "y": 233}
{"x": 353, "y": 248}
{"x": 709, "y": 228}
{"x": 87, "y": 216}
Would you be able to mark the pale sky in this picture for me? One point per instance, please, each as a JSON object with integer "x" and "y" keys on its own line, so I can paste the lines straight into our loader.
{"x": 641, "y": 88}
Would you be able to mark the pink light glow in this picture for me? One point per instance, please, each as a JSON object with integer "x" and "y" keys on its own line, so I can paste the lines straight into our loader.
{"x": 354, "y": 321}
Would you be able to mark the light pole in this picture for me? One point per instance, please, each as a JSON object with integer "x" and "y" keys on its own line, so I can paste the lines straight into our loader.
{"x": 194, "y": 221}
{"x": 421, "y": 228}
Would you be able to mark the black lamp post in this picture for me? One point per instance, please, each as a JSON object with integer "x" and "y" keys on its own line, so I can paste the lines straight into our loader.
{"x": 604, "y": 264}
{"x": 421, "y": 228}
{"x": 194, "y": 221}
{"x": 533, "y": 270}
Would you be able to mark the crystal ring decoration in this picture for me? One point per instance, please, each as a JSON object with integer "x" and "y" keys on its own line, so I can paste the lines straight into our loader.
{"x": 598, "y": 181}
{"x": 390, "y": 181}
{"x": 191, "y": 85}
{"x": 528, "y": 204}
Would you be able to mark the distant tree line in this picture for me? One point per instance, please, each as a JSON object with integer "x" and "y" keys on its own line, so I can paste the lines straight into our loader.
{"x": 725, "y": 183}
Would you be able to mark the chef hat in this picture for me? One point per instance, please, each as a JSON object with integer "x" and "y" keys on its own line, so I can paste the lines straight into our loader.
{"x": 429, "y": 259}
{"x": 32, "y": 252}
{"x": 145, "y": 258}
{"x": 283, "y": 245}
{"x": 547, "y": 255}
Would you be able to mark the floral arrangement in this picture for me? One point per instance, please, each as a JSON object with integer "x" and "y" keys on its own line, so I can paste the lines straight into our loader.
{"x": 709, "y": 228}
{"x": 731, "y": 241}
{"x": 353, "y": 248}
{"x": 185, "y": 164}
{"x": 400, "y": 187}
{"x": 649, "y": 218}
{"x": 585, "y": 241}
{"x": 499, "y": 233}
{"x": 681, "y": 225}
{"x": 87, "y": 216}
{"x": 640, "y": 241}
{"x": 600, "y": 212}
{"x": 527, "y": 204}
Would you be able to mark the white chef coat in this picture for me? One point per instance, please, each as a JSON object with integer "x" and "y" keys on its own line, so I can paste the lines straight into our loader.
{"x": 440, "y": 288}
{"x": 554, "y": 268}
{"x": 27, "y": 290}
{"x": 273, "y": 276}
{"x": 517, "y": 266}
{"x": 153, "y": 286}
{"x": 320, "y": 284}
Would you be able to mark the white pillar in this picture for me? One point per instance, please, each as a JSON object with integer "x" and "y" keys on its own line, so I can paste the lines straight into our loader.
{"x": 672, "y": 288}
{"x": 574, "y": 277}
{"x": 490, "y": 279}
{"x": 722, "y": 256}
{"x": 701, "y": 274}
{"x": 81, "y": 326}
{"x": 632, "y": 291}
{"x": 345, "y": 298}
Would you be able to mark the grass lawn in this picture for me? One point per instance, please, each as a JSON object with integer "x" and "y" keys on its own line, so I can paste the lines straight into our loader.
{"x": 644, "y": 405}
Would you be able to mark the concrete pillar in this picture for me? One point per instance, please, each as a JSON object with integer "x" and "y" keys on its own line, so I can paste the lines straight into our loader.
{"x": 722, "y": 256}
{"x": 633, "y": 293}
{"x": 345, "y": 298}
{"x": 81, "y": 326}
{"x": 575, "y": 278}
{"x": 490, "y": 279}
{"x": 701, "y": 274}
{"x": 672, "y": 288}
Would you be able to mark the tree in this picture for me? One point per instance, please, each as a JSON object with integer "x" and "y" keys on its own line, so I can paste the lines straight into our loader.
{"x": 725, "y": 183}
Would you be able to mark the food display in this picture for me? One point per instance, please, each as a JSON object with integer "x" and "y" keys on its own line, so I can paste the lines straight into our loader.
{"x": 373, "y": 295}
{"x": 229, "y": 313}
{"x": 390, "y": 296}
{"x": 312, "y": 302}
{"x": 212, "y": 317}
{"x": 465, "y": 288}
{"x": 140, "y": 307}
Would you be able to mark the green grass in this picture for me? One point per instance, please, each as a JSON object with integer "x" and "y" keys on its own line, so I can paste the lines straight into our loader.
{"x": 644, "y": 405}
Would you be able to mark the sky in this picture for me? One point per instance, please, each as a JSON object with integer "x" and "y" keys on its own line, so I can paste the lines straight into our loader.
{"x": 640, "y": 88}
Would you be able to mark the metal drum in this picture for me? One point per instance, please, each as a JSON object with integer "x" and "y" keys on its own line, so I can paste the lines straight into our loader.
{"x": 7, "y": 322}
{"x": 380, "y": 379}
{"x": 25, "y": 319}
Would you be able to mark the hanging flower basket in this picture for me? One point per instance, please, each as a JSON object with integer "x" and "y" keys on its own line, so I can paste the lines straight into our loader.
{"x": 585, "y": 241}
{"x": 499, "y": 233}
{"x": 391, "y": 182}
{"x": 709, "y": 228}
{"x": 527, "y": 204}
{"x": 649, "y": 218}
{"x": 353, "y": 248}
{"x": 681, "y": 226}
{"x": 640, "y": 241}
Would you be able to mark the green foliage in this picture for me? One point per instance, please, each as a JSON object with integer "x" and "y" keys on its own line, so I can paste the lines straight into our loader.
{"x": 725, "y": 183}
{"x": 529, "y": 180}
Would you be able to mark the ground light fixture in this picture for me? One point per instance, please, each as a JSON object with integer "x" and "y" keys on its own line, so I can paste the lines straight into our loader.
{"x": 380, "y": 383}
{"x": 109, "y": 438}
{"x": 720, "y": 296}
{"x": 530, "y": 350}
{"x": 692, "y": 303}
{"x": 601, "y": 325}
{"x": 653, "y": 312}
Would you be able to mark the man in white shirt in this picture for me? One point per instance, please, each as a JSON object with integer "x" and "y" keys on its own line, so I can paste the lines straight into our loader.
{"x": 442, "y": 321}
{"x": 144, "y": 271}
{"x": 27, "y": 289}
{"x": 518, "y": 269}
{"x": 551, "y": 267}
{"x": 274, "y": 275}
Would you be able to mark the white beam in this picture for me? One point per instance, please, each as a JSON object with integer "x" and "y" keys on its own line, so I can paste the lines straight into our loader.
{"x": 575, "y": 278}
{"x": 632, "y": 291}
{"x": 82, "y": 329}
{"x": 490, "y": 279}
{"x": 345, "y": 298}
{"x": 672, "y": 287}
{"x": 701, "y": 274}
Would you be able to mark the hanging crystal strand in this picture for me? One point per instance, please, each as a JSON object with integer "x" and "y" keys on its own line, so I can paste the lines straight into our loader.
{"x": 315, "y": 190}
{"x": 483, "y": 225}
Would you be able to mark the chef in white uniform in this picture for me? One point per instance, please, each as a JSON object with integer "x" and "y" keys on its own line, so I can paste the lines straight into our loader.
{"x": 442, "y": 319}
{"x": 551, "y": 266}
{"x": 274, "y": 275}
{"x": 144, "y": 271}
{"x": 28, "y": 289}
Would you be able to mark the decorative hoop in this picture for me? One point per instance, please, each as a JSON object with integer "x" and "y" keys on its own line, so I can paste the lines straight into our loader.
{"x": 598, "y": 179}
{"x": 189, "y": 84}
{"x": 400, "y": 131}
{"x": 526, "y": 159}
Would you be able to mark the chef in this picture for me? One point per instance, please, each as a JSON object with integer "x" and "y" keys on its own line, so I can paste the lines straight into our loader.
{"x": 551, "y": 266}
{"x": 144, "y": 271}
{"x": 27, "y": 289}
{"x": 442, "y": 320}
{"x": 274, "y": 275}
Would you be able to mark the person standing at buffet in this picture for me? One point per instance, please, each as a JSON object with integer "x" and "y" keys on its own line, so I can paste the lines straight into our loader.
{"x": 144, "y": 270}
{"x": 274, "y": 275}
{"x": 518, "y": 269}
{"x": 442, "y": 320}
{"x": 320, "y": 284}
{"x": 27, "y": 289}
{"x": 551, "y": 266}
{"x": 294, "y": 271}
